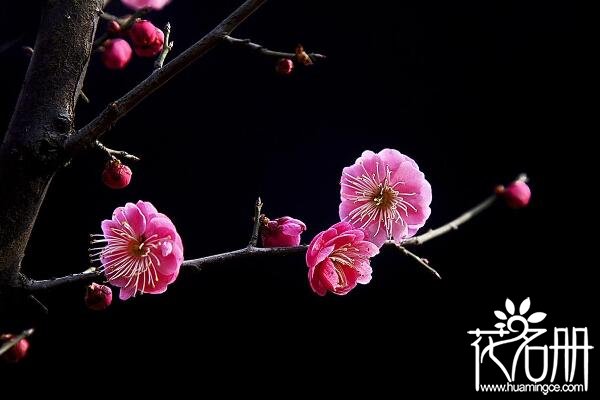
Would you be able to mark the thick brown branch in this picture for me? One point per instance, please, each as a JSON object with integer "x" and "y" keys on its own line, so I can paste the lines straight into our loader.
{"x": 269, "y": 53}
{"x": 452, "y": 225}
{"x": 43, "y": 118}
{"x": 87, "y": 136}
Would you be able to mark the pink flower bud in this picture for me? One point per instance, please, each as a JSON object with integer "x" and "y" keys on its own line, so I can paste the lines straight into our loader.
{"x": 139, "y": 4}
{"x": 116, "y": 54}
{"x": 147, "y": 39}
{"x": 284, "y": 66}
{"x": 142, "y": 33}
{"x": 113, "y": 26}
{"x": 282, "y": 232}
{"x": 517, "y": 194}
{"x": 17, "y": 352}
{"x": 154, "y": 48}
{"x": 98, "y": 297}
{"x": 116, "y": 175}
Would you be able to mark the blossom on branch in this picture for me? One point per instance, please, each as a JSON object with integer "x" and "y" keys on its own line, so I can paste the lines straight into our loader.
{"x": 386, "y": 195}
{"x": 116, "y": 53}
{"x": 147, "y": 39}
{"x": 140, "y": 250}
{"x": 282, "y": 232}
{"x": 338, "y": 259}
{"x": 139, "y": 4}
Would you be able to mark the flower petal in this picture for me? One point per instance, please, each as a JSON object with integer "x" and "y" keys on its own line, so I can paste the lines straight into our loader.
{"x": 126, "y": 292}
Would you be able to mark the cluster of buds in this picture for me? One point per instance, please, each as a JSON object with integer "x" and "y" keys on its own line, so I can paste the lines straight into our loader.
{"x": 147, "y": 41}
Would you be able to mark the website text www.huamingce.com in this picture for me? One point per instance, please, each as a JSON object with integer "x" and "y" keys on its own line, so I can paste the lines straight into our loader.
{"x": 532, "y": 387}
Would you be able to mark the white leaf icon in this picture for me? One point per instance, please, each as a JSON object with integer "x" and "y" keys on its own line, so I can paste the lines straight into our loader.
{"x": 500, "y": 325}
{"x": 510, "y": 307}
{"x": 536, "y": 317}
{"x": 500, "y": 314}
{"x": 524, "y": 307}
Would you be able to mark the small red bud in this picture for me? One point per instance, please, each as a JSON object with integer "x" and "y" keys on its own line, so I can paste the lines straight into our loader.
{"x": 98, "y": 297}
{"x": 142, "y": 33}
{"x": 113, "y": 27}
{"x": 116, "y": 54}
{"x": 116, "y": 175}
{"x": 517, "y": 194}
{"x": 17, "y": 352}
{"x": 284, "y": 66}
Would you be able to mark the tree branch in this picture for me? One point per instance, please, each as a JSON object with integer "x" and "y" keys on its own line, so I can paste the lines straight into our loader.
{"x": 270, "y": 53}
{"x": 87, "y": 136}
{"x": 452, "y": 225}
{"x": 195, "y": 264}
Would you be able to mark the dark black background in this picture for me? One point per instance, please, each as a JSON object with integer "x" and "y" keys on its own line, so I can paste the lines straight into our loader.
{"x": 476, "y": 92}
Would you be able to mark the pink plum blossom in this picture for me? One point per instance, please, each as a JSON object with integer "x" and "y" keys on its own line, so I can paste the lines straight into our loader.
{"x": 140, "y": 250}
{"x": 139, "y": 4}
{"x": 386, "y": 195}
{"x": 338, "y": 259}
{"x": 282, "y": 232}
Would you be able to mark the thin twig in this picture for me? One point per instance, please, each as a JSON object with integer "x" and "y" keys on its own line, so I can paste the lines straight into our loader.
{"x": 167, "y": 47}
{"x": 116, "y": 153}
{"x": 88, "y": 135}
{"x": 270, "y": 53}
{"x": 44, "y": 284}
{"x": 412, "y": 255}
{"x": 257, "y": 220}
{"x": 12, "y": 342}
{"x": 247, "y": 252}
{"x": 38, "y": 303}
{"x": 452, "y": 225}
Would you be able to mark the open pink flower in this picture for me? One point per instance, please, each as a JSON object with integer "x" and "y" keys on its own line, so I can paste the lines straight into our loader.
{"x": 282, "y": 232}
{"x": 385, "y": 194}
{"x": 140, "y": 250}
{"x": 338, "y": 259}
{"x": 139, "y": 4}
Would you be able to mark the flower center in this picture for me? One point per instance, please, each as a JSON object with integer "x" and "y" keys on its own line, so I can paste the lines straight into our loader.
{"x": 385, "y": 197}
{"x": 378, "y": 201}
{"x": 139, "y": 248}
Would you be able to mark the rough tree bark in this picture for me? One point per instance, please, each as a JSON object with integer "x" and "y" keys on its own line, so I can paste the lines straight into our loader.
{"x": 43, "y": 119}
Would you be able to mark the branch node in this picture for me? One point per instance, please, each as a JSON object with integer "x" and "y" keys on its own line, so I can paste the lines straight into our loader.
{"x": 113, "y": 154}
{"x": 256, "y": 228}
